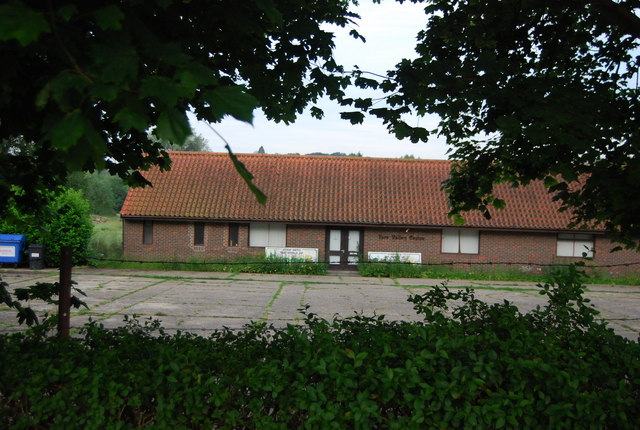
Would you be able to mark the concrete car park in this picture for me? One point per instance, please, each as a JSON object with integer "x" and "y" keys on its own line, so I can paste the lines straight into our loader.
{"x": 201, "y": 302}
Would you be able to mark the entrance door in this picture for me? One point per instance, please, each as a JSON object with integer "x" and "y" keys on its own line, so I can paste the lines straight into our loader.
{"x": 344, "y": 247}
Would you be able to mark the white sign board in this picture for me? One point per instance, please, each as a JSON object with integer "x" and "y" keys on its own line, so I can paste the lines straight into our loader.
{"x": 405, "y": 257}
{"x": 7, "y": 251}
{"x": 310, "y": 254}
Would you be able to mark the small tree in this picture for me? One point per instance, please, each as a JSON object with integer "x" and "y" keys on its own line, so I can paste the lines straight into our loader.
{"x": 70, "y": 224}
{"x": 65, "y": 220}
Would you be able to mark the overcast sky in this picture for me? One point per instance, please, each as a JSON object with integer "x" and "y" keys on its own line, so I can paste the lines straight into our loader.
{"x": 390, "y": 29}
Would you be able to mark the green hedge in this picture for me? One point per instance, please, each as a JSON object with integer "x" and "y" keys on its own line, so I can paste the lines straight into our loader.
{"x": 268, "y": 264}
{"x": 469, "y": 366}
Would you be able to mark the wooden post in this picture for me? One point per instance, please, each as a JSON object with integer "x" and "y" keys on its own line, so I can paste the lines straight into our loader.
{"x": 64, "y": 295}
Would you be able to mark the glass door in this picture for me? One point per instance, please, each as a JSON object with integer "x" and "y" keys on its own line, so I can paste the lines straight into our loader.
{"x": 343, "y": 247}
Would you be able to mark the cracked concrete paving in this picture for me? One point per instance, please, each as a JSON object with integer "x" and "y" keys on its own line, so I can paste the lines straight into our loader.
{"x": 201, "y": 302}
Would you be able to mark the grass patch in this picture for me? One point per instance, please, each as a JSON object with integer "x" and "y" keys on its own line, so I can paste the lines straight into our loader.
{"x": 106, "y": 241}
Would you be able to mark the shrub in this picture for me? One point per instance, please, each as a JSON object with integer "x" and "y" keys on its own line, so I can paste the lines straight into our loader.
{"x": 69, "y": 224}
{"x": 65, "y": 220}
{"x": 392, "y": 269}
{"x": 467, "y": 365}
{"x": 270, "y": 264}
{"x": 287, "y": 266}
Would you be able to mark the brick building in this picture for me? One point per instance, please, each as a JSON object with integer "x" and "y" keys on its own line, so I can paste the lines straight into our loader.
{"x": 341, "y": 209}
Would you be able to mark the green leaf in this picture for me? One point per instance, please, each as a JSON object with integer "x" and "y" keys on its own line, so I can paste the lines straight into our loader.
{"x": 109, "y": 17}
{"x": 195, "y": 76}
{"x": 21, "y": 23}
{"x": 363, "y": 103}
{"x": 316, "y": 112}
{"x": 173, "y": 126}
{"x": 132, "y": 116}
{"x": 63, "y": 89}
{"x": 103, "y": 91}
{"x": 354, "y": 33}
{"x": 67, "y": 11}
{"x": 232, "y": 100}
{"x": 114, "y": 60}
{"x": 43, "y": 95}
{"x": 247, "y": 176}
{"x": 353, "y": 117}
{"x": 458, "y": 220}
{"x": 270, "y": 11}
{"x": 66, "y": 132}
{"x": 163, "y": 89}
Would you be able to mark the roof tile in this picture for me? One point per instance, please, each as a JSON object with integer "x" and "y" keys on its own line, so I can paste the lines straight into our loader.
{"x": 330, "y": 190}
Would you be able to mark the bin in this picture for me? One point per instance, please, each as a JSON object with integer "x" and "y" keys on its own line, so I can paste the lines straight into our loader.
{"x": 36, "y": 256}
{"x": 11, "y": 248}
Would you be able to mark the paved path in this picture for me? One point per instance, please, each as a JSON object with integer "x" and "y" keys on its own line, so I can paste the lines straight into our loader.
{"x": 200, "y": 302}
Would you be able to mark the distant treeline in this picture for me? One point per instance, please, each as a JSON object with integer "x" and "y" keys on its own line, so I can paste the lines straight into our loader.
{"x": 343, "y": 154}
{"x": 337, "y": 154}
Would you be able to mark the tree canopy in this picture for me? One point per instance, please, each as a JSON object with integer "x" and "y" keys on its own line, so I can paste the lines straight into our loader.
{"x": 104, "y": 192}
{"x": 84, "y": 82}
{"x": 525, "y": 90}
{"x": 193, "y": 143}
{"x": 528, "y": 90}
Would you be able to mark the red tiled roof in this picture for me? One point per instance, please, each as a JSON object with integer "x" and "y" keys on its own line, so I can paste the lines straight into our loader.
{"x": 328, "y": 190}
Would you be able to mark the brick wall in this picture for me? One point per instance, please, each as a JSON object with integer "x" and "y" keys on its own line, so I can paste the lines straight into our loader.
{"x": 497, "y": 247}
{"x": 173, "y": 240}
{"x": 494, "y": 247}
{"x": 305, "y": 236}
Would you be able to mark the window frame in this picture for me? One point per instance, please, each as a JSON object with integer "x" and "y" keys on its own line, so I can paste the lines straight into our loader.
{"x": 147, "y": 232}
{"x": 198, "y": 233}
{"x": 234, "y": 235}
{"x": 458, "y": 235}
{"x": 576, "y": 240}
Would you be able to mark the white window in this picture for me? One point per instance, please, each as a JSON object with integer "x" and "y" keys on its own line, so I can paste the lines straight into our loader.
{"x": 456, "y": 241}
{"x": 575, "y": 245}
{"x": 267, "y": 234}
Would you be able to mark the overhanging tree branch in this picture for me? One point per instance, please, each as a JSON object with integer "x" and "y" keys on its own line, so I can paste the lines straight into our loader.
{"x": 619, "y": 15}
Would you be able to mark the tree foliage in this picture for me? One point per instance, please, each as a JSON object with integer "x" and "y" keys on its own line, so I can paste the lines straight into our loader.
{"x": 104, "y": 192}
{"x": 337, "y": 154}
{"x": 64, "y": 221}
{"x": 193, "y": 143}
{"x": 84, "y": 82}
{"x": 528, "y": 90}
